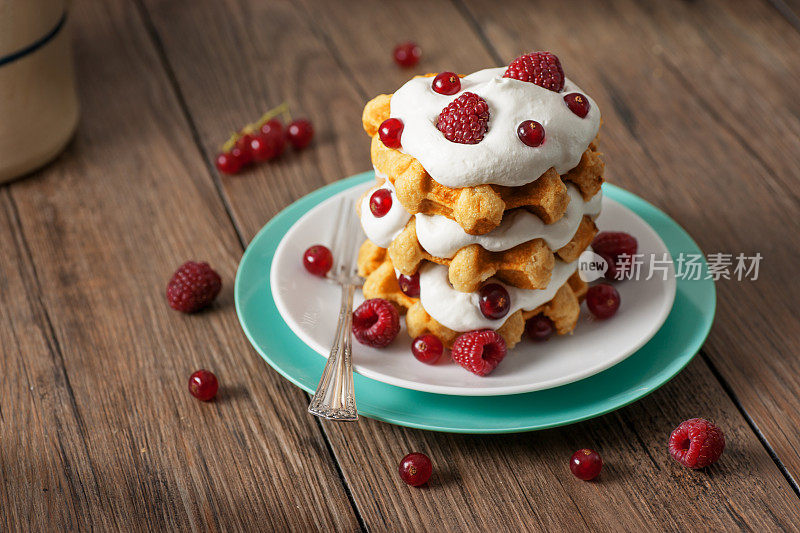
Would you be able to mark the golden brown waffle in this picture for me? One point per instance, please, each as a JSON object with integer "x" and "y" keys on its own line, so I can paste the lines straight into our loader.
{"x": 527, "y": 266}
{"x": 477, "y": 209}
{"x": 375, "y": 265}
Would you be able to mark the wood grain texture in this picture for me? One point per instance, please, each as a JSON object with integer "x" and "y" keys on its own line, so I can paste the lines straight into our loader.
{"x": 502, "y": 482}
{"x": 107, "y": 436}
{"x": 700, "y": 117}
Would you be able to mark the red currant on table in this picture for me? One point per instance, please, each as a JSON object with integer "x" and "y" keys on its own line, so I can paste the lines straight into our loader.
{"x": 262, "y": 148}
{"x": 427, "y": 348}
{"x": 578, "y": 104}
{"x": 227, "y": 163}
{"x": 318, "y": 260}
{"x": 602, "y": 300}
{"x": 586, "y": 464}
{"x": 299, "y": 133}
{"x": 531, "y": 133}
{"x": 446, "y": 83}
{"x": 380, "y": 202}
{"x": 203, "y": 385}
{"x": 409, "y": 285}
{"x": 494, "y": 301}
{"x": 540, "y": 328}
{"x": 390, "y": 132}
{"x": 407, "y": 54}
{"x": 272, "y": 127}
{"x": 415, "y": 469}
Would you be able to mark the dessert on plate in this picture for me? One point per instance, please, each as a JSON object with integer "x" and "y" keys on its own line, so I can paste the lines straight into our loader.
{"x": 487, "y": 188}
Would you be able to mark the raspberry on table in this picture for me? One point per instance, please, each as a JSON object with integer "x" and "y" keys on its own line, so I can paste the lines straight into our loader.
{"x": 465, "y": 119}
{"x": 540, "y": 68}
{"x": 696, "y": 443}
{"x": 193, "y": 287}
{"x": 376, "y": 322}
{"x": 479, "y": 351}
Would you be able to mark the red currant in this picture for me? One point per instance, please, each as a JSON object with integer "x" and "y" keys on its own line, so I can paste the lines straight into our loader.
{"x": 261, "y": 148}
{"x": 494, "y": 301}
{"x": 531, "y": 133}
{"x": 407, "y": 54}
{"x": 380, "y": 202}
{"x": 415, "y": 469}
{"x": 299, "y": 133}
{"x": 227, "y": 163}
{"x": 578, "y": 104}
{"x": 427, "y": 348}
{"x": 540, "y": 328}
{"x": 245, "y": 157}
{"x": 203, "y": 385}
{"x": 318, "y": 260}
{"x": 272, "y": 131}
{"x": 446, "y": 83}
{"x": 586, "y": 464}
{"x": 602, "y": 300}
{"x": 390, "y": 132}
{"x": 409, "y": 285}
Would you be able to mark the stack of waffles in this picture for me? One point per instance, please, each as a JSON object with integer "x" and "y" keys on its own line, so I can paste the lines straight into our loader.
{"x": 505, "y": 195}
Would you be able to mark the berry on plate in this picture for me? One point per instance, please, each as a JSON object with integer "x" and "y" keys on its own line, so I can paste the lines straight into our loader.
{"x": 203, "y": 385}
{"x": 614, "y": 243}
{"x": 540, "y": 68}
{"x": 380, "y": 202}
{"x": 465, "y": 119}
{"x": 407, "y": 54}
{"x": 585, "y": 464}
{"x": 193, "y": 287}
{"x": 540, "y": 328}
{"x": 611, "y": 271}
{"x": 390, "y": 132}
{"x": 415, "y": 469}
{"x": 479, "y": 351}
{"x": 602, "y": 300}
{"x": 427, "y": 348}
{"x": 447, "y": 83}
{"x": 409, "y": 285}
{"x": 531, "y": 133}
{"x": 696, "y": 443}
{"x": 494, "y": 301}
{"x": 376, "y": 322}
{"x": 578, "y": 104}
{"x": 318, "y": 260}
{"x": 299, "y": 133}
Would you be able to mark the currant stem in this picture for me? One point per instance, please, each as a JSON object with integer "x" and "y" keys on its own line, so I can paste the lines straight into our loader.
{"x": 282, "y": 109}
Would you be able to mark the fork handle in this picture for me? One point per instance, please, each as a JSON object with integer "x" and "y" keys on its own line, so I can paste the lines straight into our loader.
{"x": 335, "y": 398}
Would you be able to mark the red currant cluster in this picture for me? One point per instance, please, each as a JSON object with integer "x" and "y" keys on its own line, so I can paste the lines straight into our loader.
{"x": 263, "y": 140}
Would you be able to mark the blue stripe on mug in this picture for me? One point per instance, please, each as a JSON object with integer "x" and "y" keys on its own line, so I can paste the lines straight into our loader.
{"x": 36, "y": 45}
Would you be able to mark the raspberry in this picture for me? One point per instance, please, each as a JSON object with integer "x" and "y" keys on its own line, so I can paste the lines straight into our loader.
{"x": 465, "y": 119}
{"x": 541, "y": 68}
{"x": 192, "y": 287}
{"x": 614, "y": 244}
{"x": 479, "y": 351}
{"x": 696, "y": 443}
{"x": 376, "y": 323}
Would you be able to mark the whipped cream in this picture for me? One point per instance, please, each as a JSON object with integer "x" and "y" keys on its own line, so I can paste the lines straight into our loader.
{"x": 442, "y": 237}
{"x": 460, "y": 311}
{"x": 383, "y": 230}
{"x": 500, "y": 158}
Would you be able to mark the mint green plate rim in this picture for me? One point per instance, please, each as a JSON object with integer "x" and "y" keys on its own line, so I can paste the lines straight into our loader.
{"x": 663, "y": 357}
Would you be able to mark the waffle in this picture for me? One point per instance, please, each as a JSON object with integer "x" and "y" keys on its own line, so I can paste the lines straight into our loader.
{"x": 375, "y": 265}
{"x": 526, "y": 266}
{"x": 477, "y": 209}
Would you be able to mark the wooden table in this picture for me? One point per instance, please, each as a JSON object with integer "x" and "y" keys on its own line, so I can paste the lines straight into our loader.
{"x": 701, "y": 117}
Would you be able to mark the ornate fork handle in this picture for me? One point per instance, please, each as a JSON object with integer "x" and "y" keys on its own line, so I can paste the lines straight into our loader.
{"x": 335, "y": 398}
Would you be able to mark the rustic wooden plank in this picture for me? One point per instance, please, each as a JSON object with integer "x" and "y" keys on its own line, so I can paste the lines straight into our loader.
{"x": 687, "y": 128}
{"x": 500, "y": 482}
{"x": 106, "y": 226}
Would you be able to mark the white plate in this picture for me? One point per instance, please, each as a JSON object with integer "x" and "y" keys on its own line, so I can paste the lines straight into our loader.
{"x": 310, "y": 305}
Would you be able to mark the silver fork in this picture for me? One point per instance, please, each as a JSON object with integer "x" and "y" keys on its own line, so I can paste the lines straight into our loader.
{"x": 335, "y": 397}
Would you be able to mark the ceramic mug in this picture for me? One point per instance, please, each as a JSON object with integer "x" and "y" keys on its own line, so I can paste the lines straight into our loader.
{"x": 38, "y": 101}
